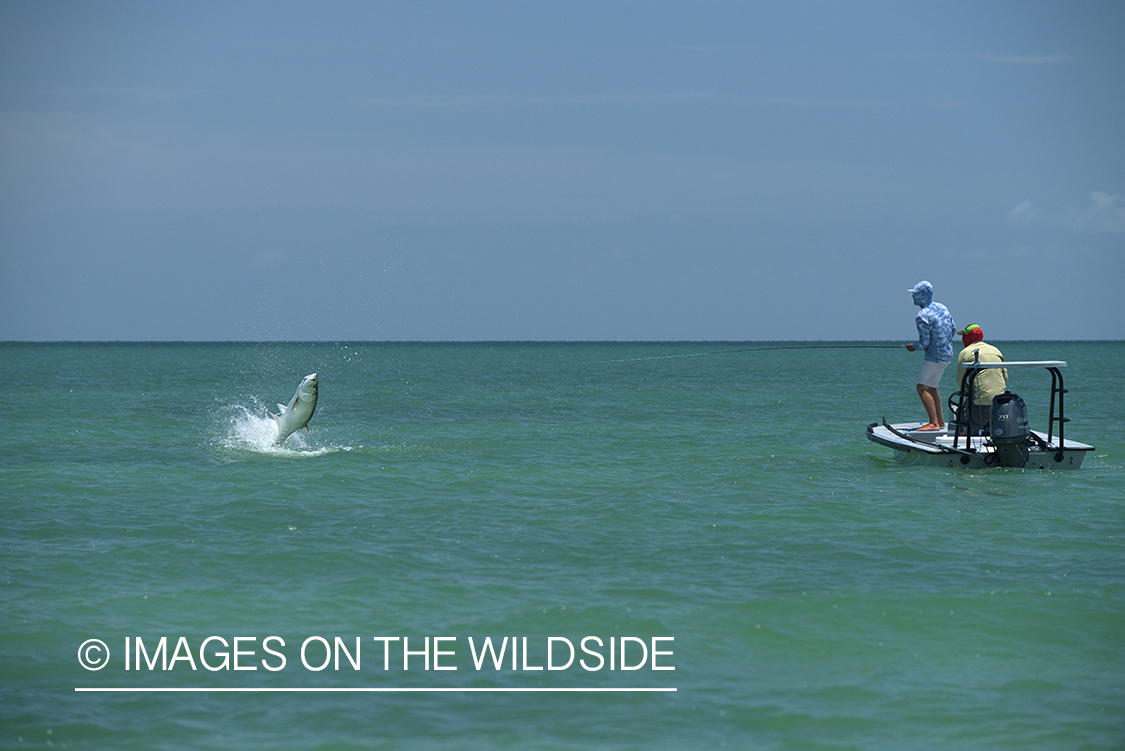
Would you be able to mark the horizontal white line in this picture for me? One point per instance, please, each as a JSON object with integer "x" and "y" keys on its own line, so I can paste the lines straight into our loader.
{"x": 368, "y": 690}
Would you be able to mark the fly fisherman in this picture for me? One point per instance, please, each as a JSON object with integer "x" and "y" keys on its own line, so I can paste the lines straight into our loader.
{"x": 935, "y": 337}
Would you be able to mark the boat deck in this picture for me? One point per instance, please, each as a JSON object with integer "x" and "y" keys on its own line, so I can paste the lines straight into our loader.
{"x": 935, "y": 447}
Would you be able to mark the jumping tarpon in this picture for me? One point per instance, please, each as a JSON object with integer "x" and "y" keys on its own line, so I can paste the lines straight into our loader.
{"x": 300, "y": 409}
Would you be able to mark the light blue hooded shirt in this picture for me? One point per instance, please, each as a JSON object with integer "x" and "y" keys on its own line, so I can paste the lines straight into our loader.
{"x": 935, "y": 325}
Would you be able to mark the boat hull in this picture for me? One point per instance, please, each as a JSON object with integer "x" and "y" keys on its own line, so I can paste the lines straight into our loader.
{"x": 935, "y": 449}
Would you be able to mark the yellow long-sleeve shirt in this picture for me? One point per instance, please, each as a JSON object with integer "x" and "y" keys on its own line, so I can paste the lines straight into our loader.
{"x": 989, "y": 383}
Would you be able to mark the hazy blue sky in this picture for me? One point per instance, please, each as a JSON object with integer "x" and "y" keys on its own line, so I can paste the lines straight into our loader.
{"x": 532, "y": 170}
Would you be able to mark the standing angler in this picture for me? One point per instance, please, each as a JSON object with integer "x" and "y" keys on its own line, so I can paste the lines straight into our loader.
{"x": 935, "y": 336}
{"x": 300, "y": 409}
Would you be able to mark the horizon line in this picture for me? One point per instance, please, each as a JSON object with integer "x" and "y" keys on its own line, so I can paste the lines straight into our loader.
{"x": 488, "y": 341}
{"x": 370, "y": 689}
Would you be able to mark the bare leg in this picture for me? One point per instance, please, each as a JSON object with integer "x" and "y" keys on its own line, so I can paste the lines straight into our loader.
{"x": 931, "y": 400}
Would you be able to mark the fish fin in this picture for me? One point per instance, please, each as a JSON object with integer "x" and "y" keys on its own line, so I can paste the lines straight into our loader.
{"x": 306, "y": 430}
{"x": 281, "y": 407}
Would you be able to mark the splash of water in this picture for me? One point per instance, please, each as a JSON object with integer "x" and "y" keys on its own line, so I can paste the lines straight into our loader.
{"x": 247, "y": 431}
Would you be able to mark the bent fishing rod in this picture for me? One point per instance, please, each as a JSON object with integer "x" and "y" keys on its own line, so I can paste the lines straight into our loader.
{"x": 755, "y": 349}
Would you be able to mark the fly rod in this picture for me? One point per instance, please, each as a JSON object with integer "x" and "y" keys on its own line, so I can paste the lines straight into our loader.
{"x": 754, "y": 349}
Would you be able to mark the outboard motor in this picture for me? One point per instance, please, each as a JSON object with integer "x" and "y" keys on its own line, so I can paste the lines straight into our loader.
{"x": 1010, "y": 430}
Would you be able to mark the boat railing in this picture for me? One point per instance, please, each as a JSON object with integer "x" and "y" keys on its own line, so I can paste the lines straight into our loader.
{"x": 973, "y": 369}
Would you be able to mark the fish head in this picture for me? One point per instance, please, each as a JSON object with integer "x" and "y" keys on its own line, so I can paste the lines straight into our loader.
{"x": 307, "y": 390}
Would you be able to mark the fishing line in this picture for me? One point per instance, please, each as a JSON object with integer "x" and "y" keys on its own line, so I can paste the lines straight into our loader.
{"x": 753, "y": 349}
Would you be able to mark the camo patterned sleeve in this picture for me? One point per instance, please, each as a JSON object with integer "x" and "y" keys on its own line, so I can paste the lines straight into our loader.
{"x": 935, "y": 332}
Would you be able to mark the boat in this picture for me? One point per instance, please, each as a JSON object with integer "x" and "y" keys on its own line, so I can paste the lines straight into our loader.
{"x": 1011, "y": 443}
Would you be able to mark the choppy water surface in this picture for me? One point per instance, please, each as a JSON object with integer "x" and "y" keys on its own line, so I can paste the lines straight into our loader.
{"x": 817, "y": 593}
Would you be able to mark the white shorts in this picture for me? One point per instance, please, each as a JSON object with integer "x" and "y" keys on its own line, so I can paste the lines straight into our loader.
{"x": 931, "y": 373}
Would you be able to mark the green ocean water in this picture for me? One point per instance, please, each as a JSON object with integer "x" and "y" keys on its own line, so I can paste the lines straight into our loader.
{"x": 809, "y": 591}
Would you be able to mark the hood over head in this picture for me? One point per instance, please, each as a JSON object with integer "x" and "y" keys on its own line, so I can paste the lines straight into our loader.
{"x": 923, "y": 293}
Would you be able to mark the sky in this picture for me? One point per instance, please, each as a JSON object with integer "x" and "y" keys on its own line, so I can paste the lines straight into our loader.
{"x": 452, "y": 171}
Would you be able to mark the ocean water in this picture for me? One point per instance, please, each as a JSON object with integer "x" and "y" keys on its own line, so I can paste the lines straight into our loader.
{"x": 709, "y": 507}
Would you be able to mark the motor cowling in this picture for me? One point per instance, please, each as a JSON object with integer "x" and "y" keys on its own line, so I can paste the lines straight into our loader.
{"x": 1010, "y": 429}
